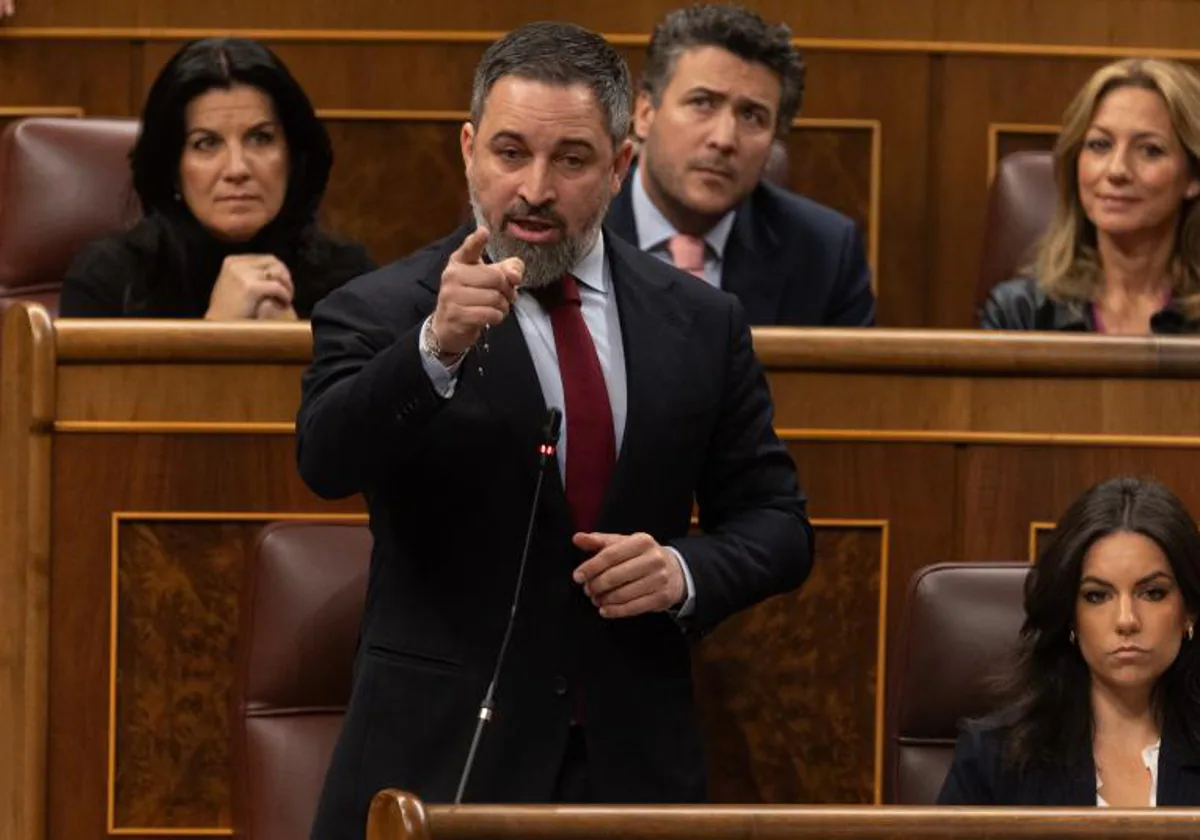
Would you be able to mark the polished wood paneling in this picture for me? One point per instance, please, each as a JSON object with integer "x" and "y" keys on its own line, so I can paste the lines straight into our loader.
{"x": 27, "y": 371}
{"x": 843, "y": 480}
{"x": 409, "y": 77}
{"x": 956, "y": 440}
{"x": 101, "y": 393}
{"x": 95, "y": 477}
{"x": 72, "y": 76}
{"x": 892, "y": 90}
{"x": 398, "y": 185}
{"x": 1146, "y": 23}
{"x": 1161, "y": 23}
{"x": 176, "y": 619}
{"x": 837, "y": 163}
{"x": 176, "y": 613}
{"x": 798, "y": 724}
{"x": 999, "y": 503}
{"x": 395, "y": 815}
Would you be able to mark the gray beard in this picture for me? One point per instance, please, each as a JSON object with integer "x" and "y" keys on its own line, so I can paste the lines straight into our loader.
{"x": 544, "y": 264}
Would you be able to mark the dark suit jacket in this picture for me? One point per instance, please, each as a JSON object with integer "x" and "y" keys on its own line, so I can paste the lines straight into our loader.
{"x": 449, "y": 484}
{"x": 979, "y": 775}
{"x": 1021, "y": 304}
{"x": 789, "y": 260}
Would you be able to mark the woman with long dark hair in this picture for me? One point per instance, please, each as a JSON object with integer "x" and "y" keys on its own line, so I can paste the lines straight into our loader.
{"x": 1101, "y": 705}
{"x": 230, "y": 167}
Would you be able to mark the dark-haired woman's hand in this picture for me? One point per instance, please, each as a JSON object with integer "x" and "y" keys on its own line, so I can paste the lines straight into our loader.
{"x": 245, "y": 281}
{"x": 270, "y": 309}
{"x": 8, "y": 8}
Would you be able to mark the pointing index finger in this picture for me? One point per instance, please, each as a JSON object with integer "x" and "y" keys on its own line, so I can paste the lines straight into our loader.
{"x": 471, "y": 251}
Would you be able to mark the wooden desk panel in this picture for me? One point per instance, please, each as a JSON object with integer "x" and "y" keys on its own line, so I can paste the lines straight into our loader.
{"x": 398, "y": 816}
{"x": 140, "y": 458}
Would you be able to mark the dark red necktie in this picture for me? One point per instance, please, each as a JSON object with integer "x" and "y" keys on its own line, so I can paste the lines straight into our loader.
{"x": 591, "y": 448}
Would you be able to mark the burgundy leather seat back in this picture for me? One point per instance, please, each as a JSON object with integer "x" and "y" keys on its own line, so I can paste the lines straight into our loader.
{"x": 1020, "y": 208}
{"x": 960, "y": 621}
{"x": 301, "y": 610}
{"x": 63, "y": 183}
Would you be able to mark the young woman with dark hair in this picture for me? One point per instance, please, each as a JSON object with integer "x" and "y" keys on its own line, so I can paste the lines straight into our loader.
{"x": 1101, "y": 704}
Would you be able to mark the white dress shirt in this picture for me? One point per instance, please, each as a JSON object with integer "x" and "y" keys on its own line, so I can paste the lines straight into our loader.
{"x": 1150, "y": 759}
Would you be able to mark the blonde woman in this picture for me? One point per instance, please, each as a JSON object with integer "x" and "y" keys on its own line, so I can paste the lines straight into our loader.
{"x": 1122, "y": 254}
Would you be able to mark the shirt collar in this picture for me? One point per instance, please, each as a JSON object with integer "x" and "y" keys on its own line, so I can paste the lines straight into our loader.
{"x": 590, "y": 269}
{"x": 653, "y": 228}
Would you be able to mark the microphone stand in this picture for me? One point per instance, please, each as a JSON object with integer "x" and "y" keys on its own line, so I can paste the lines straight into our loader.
{"x": 545, "y": 453}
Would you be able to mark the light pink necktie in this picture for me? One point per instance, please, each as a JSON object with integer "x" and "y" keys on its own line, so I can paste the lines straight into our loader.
{"x": 687, "y": 252}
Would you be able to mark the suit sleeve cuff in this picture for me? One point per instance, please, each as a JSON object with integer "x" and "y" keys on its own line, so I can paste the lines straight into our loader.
{"x": 442, "y": 377}
{"x": 688, "y": 606}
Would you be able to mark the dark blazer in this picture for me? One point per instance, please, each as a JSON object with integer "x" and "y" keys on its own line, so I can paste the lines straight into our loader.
{"x": 1022, "y": 304}
{"x": 789, "y": 260}
{"x": 449, "y": 483}
{"x": 979, "y": 776}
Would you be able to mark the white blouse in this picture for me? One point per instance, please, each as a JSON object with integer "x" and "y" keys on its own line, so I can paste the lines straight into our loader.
{"x": 1150, "y": 759}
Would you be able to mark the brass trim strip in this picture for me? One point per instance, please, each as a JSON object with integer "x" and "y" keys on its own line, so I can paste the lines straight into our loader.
{"x": 483, "y": 37}
{"x": 171, "y": 427}
{"x": 234, "y": 516}
{"x": 72, "y": 111}
{"x": 1036, "y": 527}
{"x": 391, "y": 115}
{"x": 881, "y": 660}
{"x": 786, "y": 434}
{"x": 987, "y": 438}
{"x": 170, "y": 832}
{"x": 110, "y": 788}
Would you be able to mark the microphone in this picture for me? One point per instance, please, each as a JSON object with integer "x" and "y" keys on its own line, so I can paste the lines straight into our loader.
{"x": 546, "y": 449}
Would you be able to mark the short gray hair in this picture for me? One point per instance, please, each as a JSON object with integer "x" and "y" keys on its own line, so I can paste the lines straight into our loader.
{"x": 560, "y": 54}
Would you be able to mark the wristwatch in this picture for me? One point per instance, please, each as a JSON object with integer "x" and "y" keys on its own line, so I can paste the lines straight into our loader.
{"x": 431, "y": 348}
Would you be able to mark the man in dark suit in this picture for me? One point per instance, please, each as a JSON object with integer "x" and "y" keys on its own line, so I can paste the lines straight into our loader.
{"x": 720, "y": 85}
{"x": 429, "y": 386}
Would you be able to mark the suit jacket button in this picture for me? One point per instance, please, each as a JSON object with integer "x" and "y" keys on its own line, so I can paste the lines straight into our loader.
{"x": 560, "y": 686}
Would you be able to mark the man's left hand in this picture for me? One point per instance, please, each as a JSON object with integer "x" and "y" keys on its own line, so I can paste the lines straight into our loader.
{"x": 629, "y": 575}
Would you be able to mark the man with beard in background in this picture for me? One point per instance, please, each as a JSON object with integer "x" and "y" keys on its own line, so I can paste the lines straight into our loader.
{"x": 428, "y": 393}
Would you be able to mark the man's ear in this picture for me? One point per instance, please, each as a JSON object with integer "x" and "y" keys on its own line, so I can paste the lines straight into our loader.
{"x": 466, "y": 139}
{"x": 621, "y": 164}
{"x": 644, "y": 112}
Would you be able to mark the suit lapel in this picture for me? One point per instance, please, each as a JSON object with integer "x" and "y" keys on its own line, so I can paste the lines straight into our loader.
{"x": 652, "y": 334}
{"x": 754, "y": 265}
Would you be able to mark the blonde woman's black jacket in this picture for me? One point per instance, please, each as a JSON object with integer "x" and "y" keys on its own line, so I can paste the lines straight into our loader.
{"x": 1022, "y": 304}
